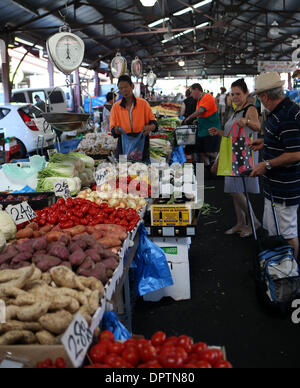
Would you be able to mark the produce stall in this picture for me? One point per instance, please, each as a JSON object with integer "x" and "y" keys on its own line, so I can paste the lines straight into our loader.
{"x": 68, "y": 246}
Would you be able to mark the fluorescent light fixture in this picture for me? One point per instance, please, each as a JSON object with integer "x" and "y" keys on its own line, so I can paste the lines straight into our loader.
{"x": 148, "y": 3}
{"x": 186, "y": 32}
{"x": 28, "y": 43}
{"x": 190, "y": 9}
{"x": 158, "y": 22}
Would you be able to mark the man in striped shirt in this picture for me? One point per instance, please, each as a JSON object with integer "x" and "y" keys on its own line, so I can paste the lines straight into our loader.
{"x": 281, "y": 153}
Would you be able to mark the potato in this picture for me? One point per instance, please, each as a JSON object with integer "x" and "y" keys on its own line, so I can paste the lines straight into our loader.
{"x": 46, "y": 262}
{"x": 28, "y": 338}
{"x": 63, "y": 277}
{"x": 60, "y": 251}
{"x": 56, "y": 323}
{"x": 94, "y": 301}
{"x": 39, "y": 244}
{"x": 22, "y": 280}
{"x": 17, "y": 325}
{"x": 93, "y": 254}
{"x": 24, "y": 300}
{"x": 59, "y": 302}
{"x": 92, "y": 283}
{"x": 23, "y": 256}
{"x": 11, "y": 337}
{"x": 34, "y": 312}
{"x": 45, "y": 338}
{"x": 73, "y": 306}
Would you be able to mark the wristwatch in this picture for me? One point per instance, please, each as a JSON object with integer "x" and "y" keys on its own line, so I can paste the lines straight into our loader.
{"x": 268, "y": 165}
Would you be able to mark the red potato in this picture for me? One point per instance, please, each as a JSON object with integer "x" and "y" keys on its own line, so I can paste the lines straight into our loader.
{"x": 46, "y": 262}
{"x": 77, "y": 258}
{"x": 26, "y": 246}
{"x": 39, "y": 244}
{"x": 90, "y": 241}
{"x": 88, "y": 264}
{"x": 108, "y": 254}
{"x": 91, "y": 229}
{"x": 79, "y": 242}
{"x": 21, "y": 265}
{"x": 22, "y": 240}
{"x": 99, "y": 272}
{"x": 60, "y": 251}
{"x": 11, "y": 251}
{"x": 99, "y": 248}
{"x": 110, "y": 263}
{"x": 66, "y": 264}
{"x": 5, "y": 258}
{"x": 65, "y": 239}
{"x": 74, "y": 246}
{"x": 24, "y": 256}
{"x": 93, "y": 254}
{"x": 110, "y": 228}
{"x": 24, "y": 233}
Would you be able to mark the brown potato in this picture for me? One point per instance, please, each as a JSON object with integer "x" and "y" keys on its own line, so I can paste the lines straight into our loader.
{"x": 56, "y": 323}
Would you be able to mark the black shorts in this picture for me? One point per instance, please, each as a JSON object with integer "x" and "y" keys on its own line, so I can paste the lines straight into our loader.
{"x": 207, "y": 144}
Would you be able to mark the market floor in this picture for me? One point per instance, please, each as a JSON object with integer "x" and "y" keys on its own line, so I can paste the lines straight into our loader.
{"x": 224, "y": 309}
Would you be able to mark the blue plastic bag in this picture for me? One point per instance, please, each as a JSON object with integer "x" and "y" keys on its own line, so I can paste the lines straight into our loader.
{"x": 110, "y": 322}
{"x": 178, "y": 156}
{"x": 133, "y": 146}
{"x": 152, "y": 272}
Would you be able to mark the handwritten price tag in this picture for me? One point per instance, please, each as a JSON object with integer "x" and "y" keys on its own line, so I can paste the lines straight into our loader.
{"x": 101, "y": 176}
{"x": 61, "y": 189}
{"x": 77, "y": 340}
{"x": 21, "y": 213}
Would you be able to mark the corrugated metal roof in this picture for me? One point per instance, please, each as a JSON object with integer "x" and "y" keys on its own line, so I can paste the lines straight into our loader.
{"x": 107, "y": 26}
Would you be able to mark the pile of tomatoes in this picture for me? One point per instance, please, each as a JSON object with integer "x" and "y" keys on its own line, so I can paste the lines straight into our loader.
{"x": 49, "y": 364}
{"x": 78, "y": 211}
{"x": 159, "y": 352}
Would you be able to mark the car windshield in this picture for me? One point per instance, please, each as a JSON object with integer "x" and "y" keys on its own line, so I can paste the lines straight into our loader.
{"x": 32, "y": 111}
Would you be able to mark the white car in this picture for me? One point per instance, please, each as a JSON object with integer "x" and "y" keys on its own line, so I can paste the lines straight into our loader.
{"x": 26, "y": 124}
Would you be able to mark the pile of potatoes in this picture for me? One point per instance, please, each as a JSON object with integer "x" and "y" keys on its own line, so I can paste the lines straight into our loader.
{"x": 41, "y": 306}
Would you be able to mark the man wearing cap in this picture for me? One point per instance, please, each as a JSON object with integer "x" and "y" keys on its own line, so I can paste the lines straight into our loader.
{"x": 281, "y": 153}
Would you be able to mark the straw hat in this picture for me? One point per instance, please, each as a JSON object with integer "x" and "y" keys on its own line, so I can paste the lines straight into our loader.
{"x": 268, "y": 81}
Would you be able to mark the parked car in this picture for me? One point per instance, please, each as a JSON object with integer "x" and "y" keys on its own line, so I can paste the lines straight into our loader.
{"x": 54, "y": 98}
{"x": 26, "y": 124}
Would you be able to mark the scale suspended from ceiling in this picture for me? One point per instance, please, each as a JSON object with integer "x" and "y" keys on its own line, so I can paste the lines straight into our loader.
{"x": 66, "y": 51}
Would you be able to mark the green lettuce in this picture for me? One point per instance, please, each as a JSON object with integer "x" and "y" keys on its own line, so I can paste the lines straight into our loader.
{"x": 88, "y": 161}
{"x": 58, "y": 170}
{"x": 67, "y": 158}
{"x": 47, "y": 184}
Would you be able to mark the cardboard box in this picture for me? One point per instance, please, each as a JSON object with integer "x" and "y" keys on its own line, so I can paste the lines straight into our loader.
{"x": 32, "y": 354}
{"x": 171, "y": 215}
{"x": 177, "y": 254}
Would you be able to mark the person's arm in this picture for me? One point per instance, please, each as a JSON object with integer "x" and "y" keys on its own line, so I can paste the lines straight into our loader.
{"x": 183, "y": 109}
{"x": 114, "y": 125}
{"x": 251, "y": 120}
{"x": 216, "y": 132}
{"x": 152, "y": 125}
{"x": 281, "y": 161}
{"x": 199, "y": 112}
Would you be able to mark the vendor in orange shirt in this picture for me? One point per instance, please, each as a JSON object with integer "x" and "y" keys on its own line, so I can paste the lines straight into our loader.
{"x": 133, "y": 115}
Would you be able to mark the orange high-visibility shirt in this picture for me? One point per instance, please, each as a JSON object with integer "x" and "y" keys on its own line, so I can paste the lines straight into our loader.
{"x": 134, "y": 121}
{"x": 208, "y": 103}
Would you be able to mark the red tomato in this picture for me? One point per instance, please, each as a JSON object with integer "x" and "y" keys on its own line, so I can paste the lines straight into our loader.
{"x": 106, "y": 335}
{"x": 171, "y": 341}
{"x": 185, "y": 342}
{"x": 203, "y": 365}
{"x": 60, "y": 363}
{"x": 131, "y": 356}
{"x": 182, "y": 353}
{"x": 172, "y": 361}
{"x": 158, "y": 338}
{"x": 118, "y": 363}
{"x": 199, "y": 348}
{"x": 140, "y": 343}
{"x": 115, "y": 348}
{"x": 211, "y": 355}
{"x": 101, "y": 366}
{"x": 97, "y": 353}
{"x": 110, "y": 359}
{"x": 148, "y": 353}
{"x": 130, "y": 343}
{"x": 153, "y": 365}
{"x": 190, "y": 366}
{"x": 48, "y": 362}
{"x": 105, "y": 343}
{"x": 223, "y": 365}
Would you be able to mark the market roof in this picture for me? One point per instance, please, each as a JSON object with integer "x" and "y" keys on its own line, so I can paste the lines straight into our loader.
{"x": 211, "y": 36}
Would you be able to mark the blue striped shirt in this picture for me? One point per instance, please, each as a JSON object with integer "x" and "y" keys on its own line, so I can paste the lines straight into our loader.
{"x": 282, "y": 135}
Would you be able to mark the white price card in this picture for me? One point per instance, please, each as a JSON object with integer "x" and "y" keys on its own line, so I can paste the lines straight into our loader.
{"x": 21, "y": 213}
{"x": 61, "y": 189}
{"x": 101, "y": 176}
{"x": 77, "y": 340}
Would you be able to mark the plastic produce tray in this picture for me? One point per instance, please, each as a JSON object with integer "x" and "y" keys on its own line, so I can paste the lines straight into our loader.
{"x": 48, "y": 200}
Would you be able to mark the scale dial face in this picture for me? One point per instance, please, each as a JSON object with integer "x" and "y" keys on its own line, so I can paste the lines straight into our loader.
{"x": 66, "y": 50}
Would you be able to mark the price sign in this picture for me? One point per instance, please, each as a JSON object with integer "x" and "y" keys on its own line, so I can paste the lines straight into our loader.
{"x": 61, "y": 189}
{"x": 77, "y": 340}
{"x": 21, "y": 213}
{"x": 101, "y": 176}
